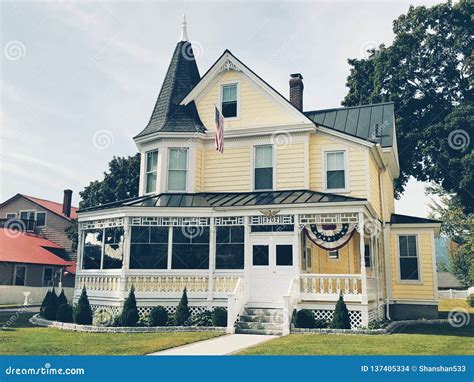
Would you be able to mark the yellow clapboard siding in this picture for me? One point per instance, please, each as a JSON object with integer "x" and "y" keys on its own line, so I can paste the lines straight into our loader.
{"x": 290, "y": 166}
{"x": 198, "y": 170}
{"x": 348, "y": 262}
{"x": 425, "y": 290}
{"x": 374, "y": 198}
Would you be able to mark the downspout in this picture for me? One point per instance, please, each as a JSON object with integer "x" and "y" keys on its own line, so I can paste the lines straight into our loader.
{"x": 387, "y": 267}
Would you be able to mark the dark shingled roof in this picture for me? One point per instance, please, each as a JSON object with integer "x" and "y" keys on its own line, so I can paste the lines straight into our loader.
{"x": 405, "y": 219}
{"x": 227, "y": 199}
{"x": 181, "y": 77}
{"x": 369, "y": 122}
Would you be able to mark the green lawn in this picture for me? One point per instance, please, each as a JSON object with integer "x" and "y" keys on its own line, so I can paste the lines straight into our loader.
{"x": 23, "y": 339}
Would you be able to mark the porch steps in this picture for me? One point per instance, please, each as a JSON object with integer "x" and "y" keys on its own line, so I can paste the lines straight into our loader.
{"x": 260, "y": 321}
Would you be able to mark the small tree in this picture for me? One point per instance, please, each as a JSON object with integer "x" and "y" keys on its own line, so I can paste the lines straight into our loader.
{"x": 182, "y": 311}
{"x": 51, "y": 307}
{"x": 64, "y": 313}
{"x": 43, "y": 304}
{"x": 82, "y": 311}
{"x": 158, "y": 316}
{"x": 129, "y": 316}
{"x": 62, "y": 298}
{"x": 341, "y": 319}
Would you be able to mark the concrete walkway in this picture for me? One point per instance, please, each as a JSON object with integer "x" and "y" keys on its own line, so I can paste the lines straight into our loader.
{"x": 223, "y": 345}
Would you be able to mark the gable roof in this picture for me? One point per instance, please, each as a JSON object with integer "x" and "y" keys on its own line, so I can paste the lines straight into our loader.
{"x": 168, "y": 115}
{"x": 54, "y": 207}
{"x": 22, "y": 247}
{"x": 405, "y": 219}
{"x": 447, "y": 280}
{"x": 228, "y": 199}
{"x": 374, "y": 122}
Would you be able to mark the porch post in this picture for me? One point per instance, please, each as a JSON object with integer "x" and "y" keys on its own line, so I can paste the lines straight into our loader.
{"x": 80, "y": 239}
{"x": 212, "y": 262}
{"x": 363, "y": 274}
{"x": 126, "y": 259}
{"x": 247, "y": 257}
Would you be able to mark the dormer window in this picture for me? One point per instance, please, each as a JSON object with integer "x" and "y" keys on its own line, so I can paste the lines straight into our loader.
{"x": 229, "y": 100}
{"x": 151, "y": 171}
{"x": 177, "y": 169}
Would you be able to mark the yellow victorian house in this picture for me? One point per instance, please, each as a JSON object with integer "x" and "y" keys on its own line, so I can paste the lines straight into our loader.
{"x": 297, "y": 209}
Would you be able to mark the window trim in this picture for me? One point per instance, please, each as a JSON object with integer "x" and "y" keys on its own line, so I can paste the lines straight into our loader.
{"x": 168, "y": 169}
{"x": 254, "y": 156}
{"x": 36, "y": 218}
{"x": 28, "y": 211}
{"x": 397, "y": 244}
{"x": 52, "y": 276}
{"x": 10, "y": 213}
{"x": 15, "y": 271}
{"x": 221, "y": 91}
{"x": 145, "y": 182}
{"x": 346, "y": 167}
{"x": 333, "y": 259}
{"x": 370, "y": 256}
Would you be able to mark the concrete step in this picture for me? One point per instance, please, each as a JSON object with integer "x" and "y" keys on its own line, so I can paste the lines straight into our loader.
{"x": 259, "y": 331}
{"x": 263, "y": 312}
{"x": 254, "y": 318}
{"x": 259, "y": 325}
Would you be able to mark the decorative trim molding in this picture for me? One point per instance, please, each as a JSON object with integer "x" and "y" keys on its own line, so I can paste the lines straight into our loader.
{"x": 228, "y": 65}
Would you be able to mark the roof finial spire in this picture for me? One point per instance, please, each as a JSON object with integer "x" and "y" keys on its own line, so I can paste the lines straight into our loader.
{"x": 184, "y": 30}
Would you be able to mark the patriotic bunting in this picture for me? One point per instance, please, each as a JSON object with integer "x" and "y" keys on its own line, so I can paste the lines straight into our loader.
{"x": 329, "y": 236}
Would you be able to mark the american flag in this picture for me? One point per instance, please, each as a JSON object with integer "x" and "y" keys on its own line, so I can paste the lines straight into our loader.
{"x": 219, "y": 131}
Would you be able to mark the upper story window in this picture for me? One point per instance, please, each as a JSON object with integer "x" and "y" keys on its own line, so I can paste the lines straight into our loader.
{"x": 177, "y": 169}
{"x": 40, "y": 219}
{"x": 151, "y": 171}
{"x": 408, "y": 254}
{"x": 335, "y": 170}
{"x": 27, "y": 215}
{"x": 263, "y": 174}
{"x": 229, "y": 100}
{"x": 11, "y": 215}
{"x": 367, "y": 256}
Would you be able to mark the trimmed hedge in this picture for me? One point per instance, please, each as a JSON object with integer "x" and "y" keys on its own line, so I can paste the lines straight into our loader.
{"x": 219, "y": 316}
{"x": 158, "y": 316}
{"x": 64, "y": 313}
{"x": 129, "y": 316}
{"x": 82, "y": 314}
{"x": 182, "y": 314}
{"x": 305, "y": 319}
{"x": 49, "y": 311}
{"x": 341, "y": 318}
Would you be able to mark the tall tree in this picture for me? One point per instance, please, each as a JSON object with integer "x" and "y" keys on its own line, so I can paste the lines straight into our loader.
{"x": 427, "y": 72}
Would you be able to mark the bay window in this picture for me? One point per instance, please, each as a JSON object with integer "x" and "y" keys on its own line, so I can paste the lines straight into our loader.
{"x": 151, "y": 171}
{"x": 177, "y": 169}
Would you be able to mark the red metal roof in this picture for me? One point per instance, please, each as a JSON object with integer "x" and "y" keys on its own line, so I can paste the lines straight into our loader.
{"x": 20, "y": 247}
{"x": 57, "y": 208}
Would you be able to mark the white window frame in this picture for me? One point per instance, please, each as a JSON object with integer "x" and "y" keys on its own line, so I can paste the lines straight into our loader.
{"x": 52, "y": 276}
{"x": 418, "y": 263}
{"x": 15, "y": 271}
{"x": 10, "y": 213}
{"x": 273, "y": 167}
{"x": 371, "y": 257}
{"x": 168, "y": 170}
{"x": 334, "y": 258}
{"x": 346, "y": 176}
{"x": 221, "y": 91}
{"x": 145, "y": 177}
{"x": 28, "y": 211}
{"x": 36, "y": 218}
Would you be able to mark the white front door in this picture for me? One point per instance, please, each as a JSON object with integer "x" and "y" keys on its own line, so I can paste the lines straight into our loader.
{"x": 271, "y": 269}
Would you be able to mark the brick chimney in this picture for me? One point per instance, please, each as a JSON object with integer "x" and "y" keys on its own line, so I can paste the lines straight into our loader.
{"x": 67, "y": 200}
{"x": 296, "y": 90}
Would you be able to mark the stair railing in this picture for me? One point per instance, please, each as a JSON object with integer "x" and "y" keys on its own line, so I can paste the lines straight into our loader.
{"x": 235, "y": 304}
{"x": 290, "y": 300}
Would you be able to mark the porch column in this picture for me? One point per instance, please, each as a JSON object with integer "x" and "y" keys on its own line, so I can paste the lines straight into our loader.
{"x": 363, "y": 274}
{"x": 297, "y": 244}
{"x": 247, "y": 256}
{"x": 212, "y": 262}
{"x": 80, "y": 240}
{"x": 126, "y": 259}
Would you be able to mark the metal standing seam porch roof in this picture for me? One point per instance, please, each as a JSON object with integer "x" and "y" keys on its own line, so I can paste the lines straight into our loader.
{"x": 227, "y": 199}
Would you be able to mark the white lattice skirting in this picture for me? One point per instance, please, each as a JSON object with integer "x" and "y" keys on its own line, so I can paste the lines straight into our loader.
{"x": 326, "y": 314}
{"x": 377, "y": 314}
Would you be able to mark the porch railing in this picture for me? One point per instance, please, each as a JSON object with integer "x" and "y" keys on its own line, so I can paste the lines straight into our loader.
{"x": 290, "y": 301}
{"x": 329, "y": 286}
{"x": 235, "y": 304}
{"x": 98, "y": 282}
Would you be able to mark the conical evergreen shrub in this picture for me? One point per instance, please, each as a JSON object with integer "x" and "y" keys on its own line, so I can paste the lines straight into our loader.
{"x": 64, "y": 313}
{"x": 129, "y": 316}
{"x": 182, "y": 311}
{"x": 51, "y": 307}
{"x": 62, "y": 298}
{"x": 43, "y": 304}
{"x": 341, "y": 319}
{"x": 82, "y": 311}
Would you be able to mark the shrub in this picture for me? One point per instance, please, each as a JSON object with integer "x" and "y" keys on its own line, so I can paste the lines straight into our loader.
{"x": 321, "y": 324}
{"x": 129, "y": 316}
{"x": 82, "y": 313}
{"x": 470, "y": 300}
{"x": 202, "y": 319}
{"x": 182, "y": 311}
{"x": 43, "y": 304}
{"x": 305, "y": 319}
{"x": 341, "y": 319}
{"x": 219, "y": 316}
{"x": 64, "y": 313}
{"x": 158, "y": 316}
{"x": 377, "y": 324}
{"x": 51, "y": 306}
{"x": 62, "y": 298}
{"x": 171, "y": 320}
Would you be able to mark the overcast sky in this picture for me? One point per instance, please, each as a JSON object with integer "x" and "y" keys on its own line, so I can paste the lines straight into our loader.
{"x": 79, "y": 79}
